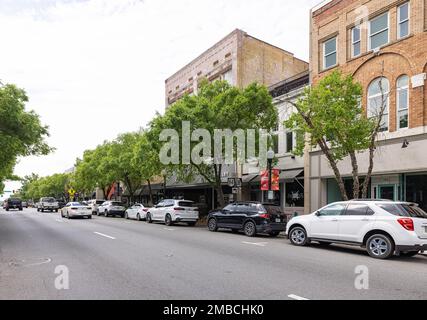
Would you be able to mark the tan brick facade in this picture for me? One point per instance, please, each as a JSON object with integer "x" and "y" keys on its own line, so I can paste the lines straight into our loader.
{"x": 400, "y": 57}
{"x": 239, "y": 58}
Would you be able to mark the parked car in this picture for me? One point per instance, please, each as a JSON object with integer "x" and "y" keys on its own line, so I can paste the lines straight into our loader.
{"x": 250, "y": 217}
{"x": 24, "y": 204}
{"x": 76, "y": 209}
{"x": 12, "y": 203}
{"x": 111, "y": 208}
{"x": 384, "y": 228}
{"x": 48, "y": 204}
{"x": 94, "y": 204}
{"x": 172, "y": 211}
{"x": 137, "y": 211}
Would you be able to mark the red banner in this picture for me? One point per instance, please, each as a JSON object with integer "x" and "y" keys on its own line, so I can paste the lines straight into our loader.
{"x": 275, "y": 180}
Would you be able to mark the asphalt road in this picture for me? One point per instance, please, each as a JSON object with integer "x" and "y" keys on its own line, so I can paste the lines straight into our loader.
{"x": 112, "y": 258}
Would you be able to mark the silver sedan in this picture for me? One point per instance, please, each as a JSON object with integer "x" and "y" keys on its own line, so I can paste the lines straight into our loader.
{"x": 76, "y": 209}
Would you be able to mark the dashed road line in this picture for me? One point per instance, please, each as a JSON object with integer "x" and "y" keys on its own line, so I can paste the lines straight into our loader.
{"x": 259, "y": 244}
{"x": 295, "y": 297}
{"x": 105, "y": 235}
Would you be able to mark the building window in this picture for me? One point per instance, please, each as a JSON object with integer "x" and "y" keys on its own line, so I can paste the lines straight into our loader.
{"x": 402, "y": 102}
{"x": 228, "y": 76}
{"x": 289, "y": 142}
{"x": 330, "y": 53}
{"x": 355, "y": 42}
{"x": 378, "y": 101}
{"x": 379, "y": 31}
{"x": 403, "y": 20}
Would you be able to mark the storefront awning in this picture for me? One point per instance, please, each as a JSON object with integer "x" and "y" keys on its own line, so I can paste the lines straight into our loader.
{"x": 290, "y": 175}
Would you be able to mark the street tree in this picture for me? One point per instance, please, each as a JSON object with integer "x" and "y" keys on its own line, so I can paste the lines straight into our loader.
{"x": 331, "y": 116}
{"x": 21, "y": 132}
{"x": 220, "y": 106}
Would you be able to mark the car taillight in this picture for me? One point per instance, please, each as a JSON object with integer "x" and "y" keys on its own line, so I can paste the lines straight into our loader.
{"x": 145, "y": 210}
{"x": 265, "y": 216}
{"x": 407, "y": 223}
{"x": 179, "y": 209}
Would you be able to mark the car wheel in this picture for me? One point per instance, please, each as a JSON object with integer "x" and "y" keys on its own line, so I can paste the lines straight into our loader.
{"x": 380, "y": 246}
{"x": 168, "y": 220}
{"x": 274, "y": 234}
{"x": 191, "y": 224}
{"x": 42, "y": 210}
{"x": 38, "y": 210}
{"x": 409, "y": 254}
{"x": 56, "y": 210}
{"x": 89, "y": 217}
{"x": 126, "y": 216}
{"x": 68, "y": 215}
{"x": 212, "y": 225}
{"x": 138, "y": 217}
{"x": 106, "y": 213}
{"x": 149, "y": 220}
{"x": 250, "y": 229}
{"x": 298, "y": 236}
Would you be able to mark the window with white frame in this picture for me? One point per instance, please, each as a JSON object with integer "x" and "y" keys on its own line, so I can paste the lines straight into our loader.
{"x": 403, "y": 20}
{"x": 402, "y": 102}
{"x": 355, "y": 42}
{"x": 290, "y": 141}
{"x": 378, "y": 101}
{"x": 379, "y": 31}
{"x": 330, "y": 53}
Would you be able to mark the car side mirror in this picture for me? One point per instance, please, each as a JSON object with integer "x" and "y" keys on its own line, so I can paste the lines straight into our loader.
{"x": 318, "y": 214}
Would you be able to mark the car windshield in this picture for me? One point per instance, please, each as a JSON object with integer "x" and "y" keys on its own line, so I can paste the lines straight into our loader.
{"x": 76, "y": 204}
{"x": 186, "y": 204}
{"x": 49, "y": 200}
{"x": 100, "y": 201}
{"x": 403, "y": 210}
{"x": 276, "y": 210}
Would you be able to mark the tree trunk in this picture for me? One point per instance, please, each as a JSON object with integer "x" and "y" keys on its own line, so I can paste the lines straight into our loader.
{"x": 356, "y": 181}
{"x": 369, "y": 174}
{"x": 220, "y": 195}
{"x": 150, "y": 192}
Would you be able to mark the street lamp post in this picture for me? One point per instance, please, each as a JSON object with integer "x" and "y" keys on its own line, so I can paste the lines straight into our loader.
{"x": 270, "y": 157}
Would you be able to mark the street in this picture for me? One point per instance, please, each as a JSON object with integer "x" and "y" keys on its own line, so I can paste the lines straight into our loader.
{"x": 113, "y": 258}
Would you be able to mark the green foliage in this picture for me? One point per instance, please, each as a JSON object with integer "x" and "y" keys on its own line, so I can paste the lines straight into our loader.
{"x": 21, "y": 132}
{"x": 50, "y": 186}
{"x": 217, "y": 105}
{"x": 331, "y": 111}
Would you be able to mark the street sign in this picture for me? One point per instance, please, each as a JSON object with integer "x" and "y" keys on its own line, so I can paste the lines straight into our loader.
{"x": 270, "y": 195}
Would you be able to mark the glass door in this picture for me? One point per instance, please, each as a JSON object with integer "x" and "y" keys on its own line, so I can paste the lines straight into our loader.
{"x": 387, "y": 192}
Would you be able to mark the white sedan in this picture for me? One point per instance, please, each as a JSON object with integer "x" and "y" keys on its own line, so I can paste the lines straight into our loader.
{"x": 137, "y": 211}
{"x": 76, "y": 209}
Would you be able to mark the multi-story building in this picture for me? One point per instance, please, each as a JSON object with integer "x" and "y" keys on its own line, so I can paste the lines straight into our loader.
{"x": 383, "y": 44}
{"x": 291, "y": 194}
{"x": 238, "y": 58}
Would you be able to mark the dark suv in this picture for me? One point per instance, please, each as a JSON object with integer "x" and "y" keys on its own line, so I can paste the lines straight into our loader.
{"x": 13, "y": 204}
{"x": 251, "y": 217}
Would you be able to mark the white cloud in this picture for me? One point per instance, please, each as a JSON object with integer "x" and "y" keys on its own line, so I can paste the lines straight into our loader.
{"x": 96, "y": 68}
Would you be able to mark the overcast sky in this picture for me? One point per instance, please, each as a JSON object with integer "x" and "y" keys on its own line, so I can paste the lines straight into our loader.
{"x": 96, "y": 68}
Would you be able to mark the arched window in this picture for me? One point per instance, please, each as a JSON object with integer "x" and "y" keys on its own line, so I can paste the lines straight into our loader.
{"x": 378, "y": 101}
{"x": 402, "y": 102}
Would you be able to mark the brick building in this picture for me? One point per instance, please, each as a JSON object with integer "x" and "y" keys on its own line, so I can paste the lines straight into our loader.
{"x": 238, "y": 58}
{"x": 383, "y": 44}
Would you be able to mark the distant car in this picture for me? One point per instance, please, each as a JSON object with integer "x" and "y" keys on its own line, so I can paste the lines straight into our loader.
{"x": 94, "y": 204}
{"x": 137, "y": 211}
{"x": 24, "y": 204}
{"x": 172, "y": 211}
{"x": 250, "y": 217}
{"x": 384, "y": 228}
{"x": 111, "y": 208}
{"x": 76, "y": 209}
{"x": 48, "y": 204}
{"x": 12, "y": 203}
{"x": 61, "y": 203}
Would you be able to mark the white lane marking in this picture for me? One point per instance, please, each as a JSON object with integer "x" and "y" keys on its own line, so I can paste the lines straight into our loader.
{"x": 48, "y": 260}
{"x": 295, "y": 297}
{"x": 104, "y": 235}
{"x": 169, "y": 229}
{"x": 59, "y": 220}
{"x": 259, "y": 244}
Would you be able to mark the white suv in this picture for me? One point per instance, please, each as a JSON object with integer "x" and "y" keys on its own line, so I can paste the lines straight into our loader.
{"x": 171, "y": 211}
{"x": 382, "y": 227}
